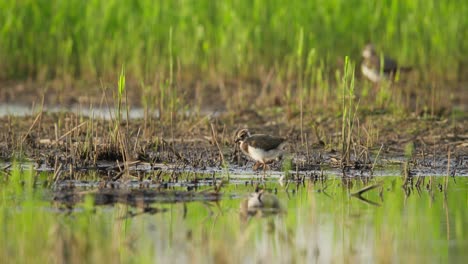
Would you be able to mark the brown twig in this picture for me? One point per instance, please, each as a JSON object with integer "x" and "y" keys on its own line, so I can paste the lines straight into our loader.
{"x": 213, "y": 134}
{"x": 71, "y": 130}
{"x": 31, "y": 127}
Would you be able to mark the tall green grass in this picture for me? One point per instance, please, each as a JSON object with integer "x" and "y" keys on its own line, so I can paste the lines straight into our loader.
{"x": 92, "y": 39}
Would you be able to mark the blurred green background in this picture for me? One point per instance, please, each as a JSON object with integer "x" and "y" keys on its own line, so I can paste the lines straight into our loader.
{"x": 93, "y": 39}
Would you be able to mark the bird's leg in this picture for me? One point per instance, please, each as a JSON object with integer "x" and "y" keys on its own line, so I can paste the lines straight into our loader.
{"x": 376, "y": 87}
{"x": 264, "y": 170}
{"x": 256, "y": 165}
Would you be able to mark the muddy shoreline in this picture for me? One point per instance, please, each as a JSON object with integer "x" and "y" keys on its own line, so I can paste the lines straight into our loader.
{"x": 78, "y": 144}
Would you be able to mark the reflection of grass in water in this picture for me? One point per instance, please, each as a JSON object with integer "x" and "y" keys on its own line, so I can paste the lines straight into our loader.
{"x": 422, "y": 226}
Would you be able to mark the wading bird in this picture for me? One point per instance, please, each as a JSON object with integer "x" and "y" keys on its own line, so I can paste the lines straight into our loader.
{"x": 374, "y": 69}
{"x": 260, "y": 147}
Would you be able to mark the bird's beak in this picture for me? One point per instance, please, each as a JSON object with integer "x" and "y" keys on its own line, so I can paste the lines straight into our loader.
{"x": 237, "y": 140}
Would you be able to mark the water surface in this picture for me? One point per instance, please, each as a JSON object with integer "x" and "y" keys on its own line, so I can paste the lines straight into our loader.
{"x": 319, "y": 222}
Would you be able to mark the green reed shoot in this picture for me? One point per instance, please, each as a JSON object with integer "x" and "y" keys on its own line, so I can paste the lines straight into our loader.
{"x": 287, "y": 167}
{"x": 349, "y": 109}
{"x": 120, "y": 94}
{"x": 409, "y": 150}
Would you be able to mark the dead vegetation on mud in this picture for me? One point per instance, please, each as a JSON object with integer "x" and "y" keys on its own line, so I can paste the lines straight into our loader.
{"x": 69, "y": 144}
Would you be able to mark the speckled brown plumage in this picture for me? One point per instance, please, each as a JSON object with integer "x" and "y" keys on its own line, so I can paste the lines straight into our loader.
{"x": 265, "y": 142}
{"x": 260, "y": 147}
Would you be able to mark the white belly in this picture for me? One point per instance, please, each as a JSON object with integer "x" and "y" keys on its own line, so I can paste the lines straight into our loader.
{"x": 264, "y": 156}
{"x": 371, "y": 74}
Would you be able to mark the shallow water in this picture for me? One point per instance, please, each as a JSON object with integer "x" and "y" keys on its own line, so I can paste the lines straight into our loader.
{"x": 106, "y": 113}
{"x": 319, "y": 221}
{"x": 96, "y": 112}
